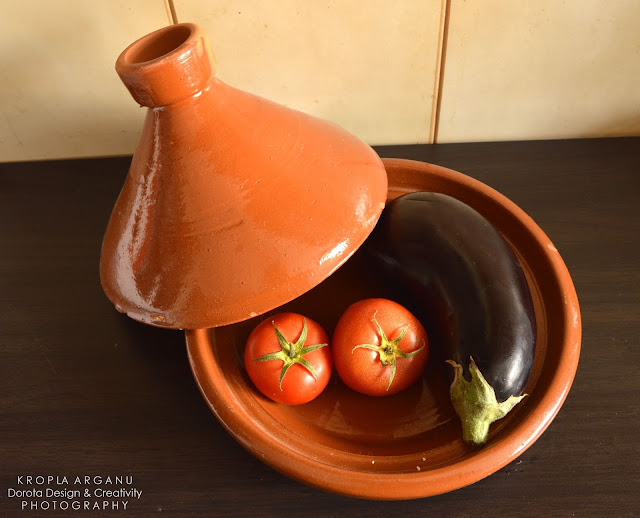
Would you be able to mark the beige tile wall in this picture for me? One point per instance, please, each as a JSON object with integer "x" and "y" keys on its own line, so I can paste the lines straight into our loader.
{"x": 367, "y": 65}
{"x": 513, "y": 69}
{"x": 541, "y": 69}
{"x": 59, "y": 94}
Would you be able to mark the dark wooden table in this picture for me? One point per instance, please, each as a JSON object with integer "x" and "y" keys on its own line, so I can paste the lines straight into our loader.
{"x": 85, "y": 391}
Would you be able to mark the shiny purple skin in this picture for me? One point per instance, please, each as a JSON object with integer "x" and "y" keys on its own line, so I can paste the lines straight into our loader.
{"x": 464, "y": 282}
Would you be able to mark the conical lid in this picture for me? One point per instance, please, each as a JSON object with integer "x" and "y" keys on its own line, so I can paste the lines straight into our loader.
{"x": 233, "y": 204}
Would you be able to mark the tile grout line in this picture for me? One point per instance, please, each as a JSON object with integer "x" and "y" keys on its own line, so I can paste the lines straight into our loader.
{"x": 443, "y": 37}
{"x": 170, "y": 8}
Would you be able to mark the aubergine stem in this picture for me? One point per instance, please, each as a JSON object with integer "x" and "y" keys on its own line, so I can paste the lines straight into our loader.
{"x": 291, "y": 353}
{"x": 476, "y": 404}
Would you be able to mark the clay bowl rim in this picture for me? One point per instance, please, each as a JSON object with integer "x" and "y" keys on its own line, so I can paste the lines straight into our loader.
{"x": 483, "y": 462}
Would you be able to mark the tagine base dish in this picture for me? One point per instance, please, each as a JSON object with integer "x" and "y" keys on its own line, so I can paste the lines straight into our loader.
{"x": 408, "y": 445}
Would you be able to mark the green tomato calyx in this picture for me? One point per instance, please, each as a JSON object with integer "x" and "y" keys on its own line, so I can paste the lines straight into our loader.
{"x": 388, "y": 350}
{"x": 292, "y": 353}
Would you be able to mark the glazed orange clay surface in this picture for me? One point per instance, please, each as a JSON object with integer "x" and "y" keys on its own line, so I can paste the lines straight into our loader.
{"x": 233, "y": 204}
{"x": 408, "y": 445}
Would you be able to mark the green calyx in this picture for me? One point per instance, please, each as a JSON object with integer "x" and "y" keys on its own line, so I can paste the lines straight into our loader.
{"x": 476, "y": 404}
{"x": 292, "y": 353}
{"x": 388, "y": 350}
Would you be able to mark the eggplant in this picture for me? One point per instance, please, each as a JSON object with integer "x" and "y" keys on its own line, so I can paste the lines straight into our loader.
{"x": 470, "y": 292}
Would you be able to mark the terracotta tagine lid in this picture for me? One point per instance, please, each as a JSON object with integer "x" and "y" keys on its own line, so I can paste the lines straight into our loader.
{"x": 233, "y": 205}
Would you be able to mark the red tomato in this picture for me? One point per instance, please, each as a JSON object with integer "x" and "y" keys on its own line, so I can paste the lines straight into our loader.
{"x": 288, "y": 358}
{"x": 379, "y": 347}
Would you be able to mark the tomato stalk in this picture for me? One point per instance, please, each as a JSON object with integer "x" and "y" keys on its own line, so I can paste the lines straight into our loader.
{"x": 292, "y": 353}
{"x": 388, "y": 350}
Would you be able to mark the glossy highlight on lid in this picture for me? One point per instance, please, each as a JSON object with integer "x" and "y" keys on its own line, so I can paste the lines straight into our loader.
{"x": 233, "y": 204}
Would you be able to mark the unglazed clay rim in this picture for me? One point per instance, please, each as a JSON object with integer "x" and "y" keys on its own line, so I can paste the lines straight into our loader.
{"x": 310, "y": 466}
{"x": 193, "y": 33}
